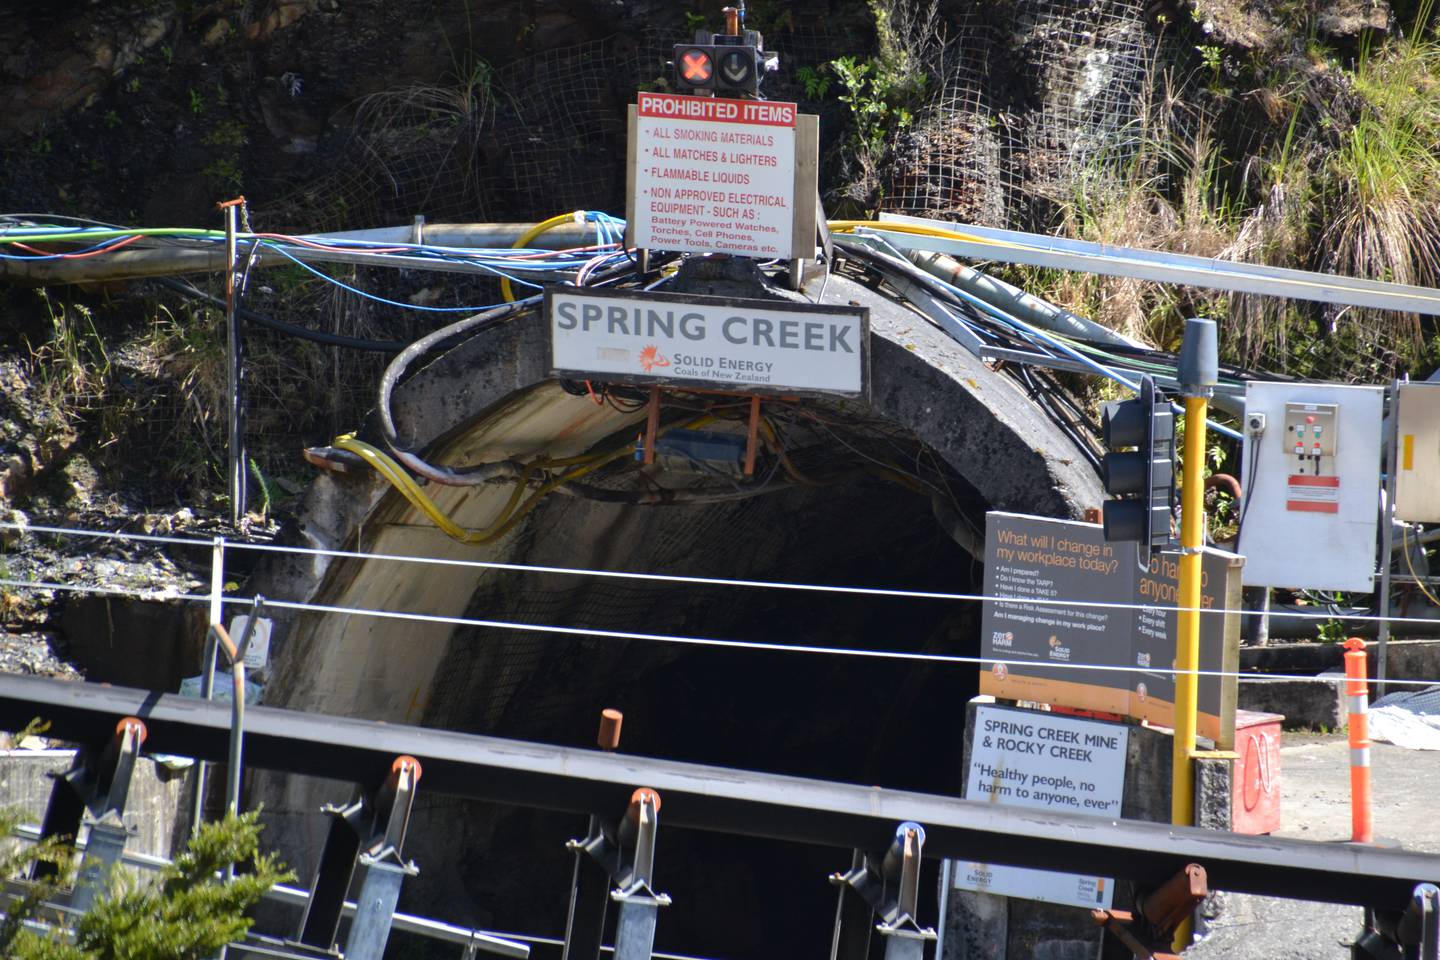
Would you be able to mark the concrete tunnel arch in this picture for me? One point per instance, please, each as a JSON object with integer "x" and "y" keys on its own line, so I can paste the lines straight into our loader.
{"x": 491, "y": 398}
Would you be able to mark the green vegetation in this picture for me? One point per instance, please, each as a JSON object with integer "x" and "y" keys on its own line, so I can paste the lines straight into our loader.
{"x": 185, "y": 912}
{"x": 884, "y": 92}
{"x": 72, "y": 365}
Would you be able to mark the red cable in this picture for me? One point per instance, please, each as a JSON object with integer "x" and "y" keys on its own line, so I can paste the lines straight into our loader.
{"x": 80, "y": 256}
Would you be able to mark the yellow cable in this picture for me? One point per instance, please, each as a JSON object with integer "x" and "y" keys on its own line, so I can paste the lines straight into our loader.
{"x": 847, "y": 226}
{"x": 403, "y": 482}
{"x": 577, "y": 216}
{"x": 513, "y": 511}
{"x": 1405, "y": 543}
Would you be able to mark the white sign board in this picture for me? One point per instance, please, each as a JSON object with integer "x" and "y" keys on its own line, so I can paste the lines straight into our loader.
{"x": 1030, "y": 758}
{"x": 758, "y": 346}
{"x": 710, "y": 175}
{"x": 257, "y": 653}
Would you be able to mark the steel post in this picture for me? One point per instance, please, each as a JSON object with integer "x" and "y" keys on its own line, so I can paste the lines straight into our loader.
{"x": 320, "y": 923}
{"x": 207, "y": 669}
{"x": 854, "y": 913}
{"x": 1198, "y": 371}
{"x": 597, "y": 860}
{"x": 94, "y": 790}
{"x": 589, "y": 893}
{"x": 1427, "y": 909}
{"x": 375, "y": 907}
{"x": 234, "y": 355}
{"x": 1387, "y": 534}
{"x": 103, "y": 850}
{"x": 639, "y": 904}
{"x": 905, "y": 938}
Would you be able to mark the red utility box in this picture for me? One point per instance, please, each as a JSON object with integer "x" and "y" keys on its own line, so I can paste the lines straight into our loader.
{"x": 1255, "y": 780}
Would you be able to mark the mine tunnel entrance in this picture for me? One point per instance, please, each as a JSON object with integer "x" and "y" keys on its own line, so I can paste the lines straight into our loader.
{"x": 827, "y": 715}
{"x": 889, "y": 493}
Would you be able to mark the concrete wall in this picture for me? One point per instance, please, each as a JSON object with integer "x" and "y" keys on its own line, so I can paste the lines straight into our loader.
{"x": 157, "y": 813}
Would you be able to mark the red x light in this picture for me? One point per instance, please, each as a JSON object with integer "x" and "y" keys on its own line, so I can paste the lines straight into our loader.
{"x": 696, "y": 66}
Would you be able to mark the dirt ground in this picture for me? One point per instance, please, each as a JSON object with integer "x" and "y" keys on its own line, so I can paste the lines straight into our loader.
{"x": 1315, "y": 804}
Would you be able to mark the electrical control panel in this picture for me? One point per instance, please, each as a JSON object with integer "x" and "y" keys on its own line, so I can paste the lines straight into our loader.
{"x": 1310, "y": 434}
{"x": 1311, "y": 482}
{"x": 1417, "y": 453}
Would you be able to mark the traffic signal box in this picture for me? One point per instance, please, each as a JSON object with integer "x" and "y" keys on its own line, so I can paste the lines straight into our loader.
{"x": 723, "y": 63}
{"x": 1141, "y": 479}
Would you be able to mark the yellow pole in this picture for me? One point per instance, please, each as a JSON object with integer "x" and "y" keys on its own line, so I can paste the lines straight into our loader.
{"x": 1187, "y": 622}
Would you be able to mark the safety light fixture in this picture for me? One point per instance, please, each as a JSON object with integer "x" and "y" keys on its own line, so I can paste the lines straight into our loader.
{"x": 1141, "y": 479}
{"x": 720, "y": 67}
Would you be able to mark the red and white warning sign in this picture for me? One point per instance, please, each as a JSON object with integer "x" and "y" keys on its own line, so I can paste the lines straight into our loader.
{"x": 1309, "y": 494}
{"x": 710, "y": 175}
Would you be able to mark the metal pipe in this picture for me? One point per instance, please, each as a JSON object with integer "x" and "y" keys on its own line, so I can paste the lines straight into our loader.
{"x": 793, "y": 809}
{"x": 1013, "y": 246}
{"x": 235, "y": 373}
{"x": 1015, "y": 301}
{"x": 175, "y": 260}
{"x": 1387, "y": 533}
{"x": 207, "y": 669}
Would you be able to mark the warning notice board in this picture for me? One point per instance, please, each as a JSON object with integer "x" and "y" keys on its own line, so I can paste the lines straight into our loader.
{"x": 710, "y": 175}
{"x": 1099, "y": 634}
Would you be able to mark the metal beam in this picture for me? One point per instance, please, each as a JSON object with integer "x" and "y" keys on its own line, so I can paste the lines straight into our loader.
{"x": 1013, "y": 246}
{"x": 730, "y": 801}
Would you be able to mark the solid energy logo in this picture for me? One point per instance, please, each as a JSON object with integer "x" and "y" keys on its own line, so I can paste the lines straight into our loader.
{"x": 651, "y": 357}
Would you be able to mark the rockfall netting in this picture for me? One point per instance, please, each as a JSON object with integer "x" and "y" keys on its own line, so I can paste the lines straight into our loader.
{"x": 1028, "y": 96}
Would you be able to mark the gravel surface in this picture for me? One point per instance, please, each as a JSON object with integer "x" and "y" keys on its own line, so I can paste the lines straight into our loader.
{"x": 1315, "y": 804}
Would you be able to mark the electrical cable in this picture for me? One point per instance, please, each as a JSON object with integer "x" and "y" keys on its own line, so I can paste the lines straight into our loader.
{"x": 397, "y": 368}
{"x": 281, "y": 326}
{"x": 388, "y": 302}
{"x": 1410, "y": 564}
{"x": 578, "y": 216}
{"x": 514, "y": 511}
{"x": 1034, "y": 334}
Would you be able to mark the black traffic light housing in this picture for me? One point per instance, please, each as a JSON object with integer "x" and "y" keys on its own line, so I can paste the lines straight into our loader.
{"x": 726, "y": 63}
{"x": 1143, "y": 479}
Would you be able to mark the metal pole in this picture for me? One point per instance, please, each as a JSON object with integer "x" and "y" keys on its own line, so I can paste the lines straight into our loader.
{"x": 1198, "y": 371}
{"x": 1187, "y": 621}
{"x": 207, "y": 668}
{"x": 1387, "y": 534}
{"x": 233, "y": 349}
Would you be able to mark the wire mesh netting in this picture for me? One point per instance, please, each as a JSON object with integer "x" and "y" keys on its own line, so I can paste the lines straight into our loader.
{"x": 1025, "y": 100}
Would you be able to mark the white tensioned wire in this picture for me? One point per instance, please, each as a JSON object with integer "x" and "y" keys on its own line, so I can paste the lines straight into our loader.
{"x": 708, "y": 581}
{"x": 669, "y": 638}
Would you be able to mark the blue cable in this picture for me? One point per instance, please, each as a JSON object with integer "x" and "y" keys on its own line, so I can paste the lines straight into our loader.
{"x": 1040, "y": 337}
{"x": 394, "y": 303}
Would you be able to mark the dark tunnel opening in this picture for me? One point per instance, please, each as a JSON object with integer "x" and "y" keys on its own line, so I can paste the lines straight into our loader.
{"x": 866, "y": 720}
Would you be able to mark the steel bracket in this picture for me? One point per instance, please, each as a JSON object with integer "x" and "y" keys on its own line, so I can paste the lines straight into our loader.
{"x": 94, "y": 791}
{"x": 368, "y": 833}
{"x": 889, "y": 894}
{"x": 638, "y": 900}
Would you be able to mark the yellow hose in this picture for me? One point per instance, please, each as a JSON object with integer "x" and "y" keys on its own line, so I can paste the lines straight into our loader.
{"x": 514, "y": 511}
{"x": 577, "y": 216}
